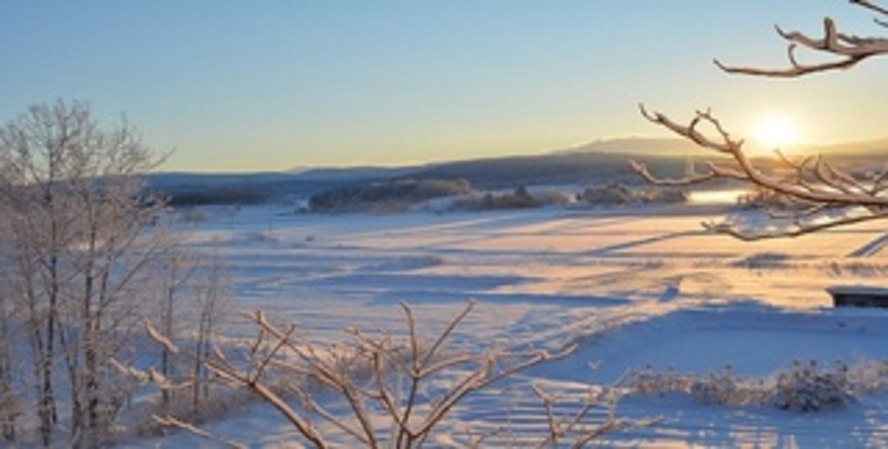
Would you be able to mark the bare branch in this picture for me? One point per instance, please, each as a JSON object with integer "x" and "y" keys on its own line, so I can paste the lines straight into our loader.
{"x": 688, "y": 179}
{"x": 869, "y": 4}
{"x": 849, "y": 50}
{"x": 747, "y": 171}
{"x": 411, "y": 382}
{"x": 448, "y": 331}
{"x": 813, "y": 183}
{"x": 726, "y": 145}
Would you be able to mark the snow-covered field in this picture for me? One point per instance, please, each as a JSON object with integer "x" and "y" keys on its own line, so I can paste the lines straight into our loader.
{"x": 632, "y": 287}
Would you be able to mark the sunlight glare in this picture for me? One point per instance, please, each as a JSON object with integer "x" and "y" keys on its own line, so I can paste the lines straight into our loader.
{"x": 776, "y": 133}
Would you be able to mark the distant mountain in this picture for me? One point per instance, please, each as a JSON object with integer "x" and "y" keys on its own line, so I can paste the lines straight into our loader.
{"x": 354, "y": 173}
{"x": 683, "y": 147}
{"x": 637, "y": 146}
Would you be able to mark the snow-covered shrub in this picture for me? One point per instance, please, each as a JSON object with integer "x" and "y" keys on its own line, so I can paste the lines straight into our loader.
{"x": 804, "y": 388}
{"x": 869, "y": 376}
{"x": 716, "y": 388}
{"x": 809, "y": 389}
{"x": 650, "y": 382}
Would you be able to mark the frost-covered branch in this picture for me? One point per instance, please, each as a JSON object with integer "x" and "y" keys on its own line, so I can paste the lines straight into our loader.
{"x": 815, "y": 184}
{"x": 396, "y": 390}
{"x": 847, "y": 49}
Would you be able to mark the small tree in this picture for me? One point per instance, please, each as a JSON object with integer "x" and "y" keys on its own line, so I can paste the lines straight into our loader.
{"x": 195, "y": 300}
{"x": 827, "y": 196}
{"x": 210, "y": 303}
{"x": 176, "y": 274}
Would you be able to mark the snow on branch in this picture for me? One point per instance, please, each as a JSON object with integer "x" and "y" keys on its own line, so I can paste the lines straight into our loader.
{"x": 847, "y": 49}
{"x": 816, "y": 188}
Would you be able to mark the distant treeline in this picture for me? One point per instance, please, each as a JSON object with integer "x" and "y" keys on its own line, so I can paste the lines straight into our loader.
{"x": 386, "y": 196}
{"x": 225, "y": 196}
{"x": 442, "y": 195}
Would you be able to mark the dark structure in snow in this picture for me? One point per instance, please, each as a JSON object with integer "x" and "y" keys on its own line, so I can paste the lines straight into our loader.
{"x": 859, "y": 296}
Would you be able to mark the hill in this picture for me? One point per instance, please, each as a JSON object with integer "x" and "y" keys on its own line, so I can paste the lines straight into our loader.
{"x": 591, "y": 163}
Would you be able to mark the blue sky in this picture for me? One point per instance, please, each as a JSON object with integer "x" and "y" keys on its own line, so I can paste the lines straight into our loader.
{"x": 243, "y": 86}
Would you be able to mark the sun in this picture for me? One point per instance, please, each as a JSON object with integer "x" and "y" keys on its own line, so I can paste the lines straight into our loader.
{"x": 776, "y": 133}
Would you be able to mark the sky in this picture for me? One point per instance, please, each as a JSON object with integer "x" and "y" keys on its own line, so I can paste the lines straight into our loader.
{"x": 233, "y": 86}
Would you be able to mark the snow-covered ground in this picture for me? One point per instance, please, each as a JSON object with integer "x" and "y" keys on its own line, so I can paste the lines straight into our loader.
{"x": 631, "y": 286}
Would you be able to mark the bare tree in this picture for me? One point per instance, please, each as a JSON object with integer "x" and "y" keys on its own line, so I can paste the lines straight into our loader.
{"x": 209, "y": 304}
{"x": 392, "y": 391}
{"x": 826, "y": 196}
{"x": 80, "y": 235}
{"x": 176, "y": 274}
{"x": 195, "y": 290}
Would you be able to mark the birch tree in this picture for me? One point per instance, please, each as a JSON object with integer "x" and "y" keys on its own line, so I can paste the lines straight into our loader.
{"x": 80, "y": 237}
{"x": 823, "y": 195}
